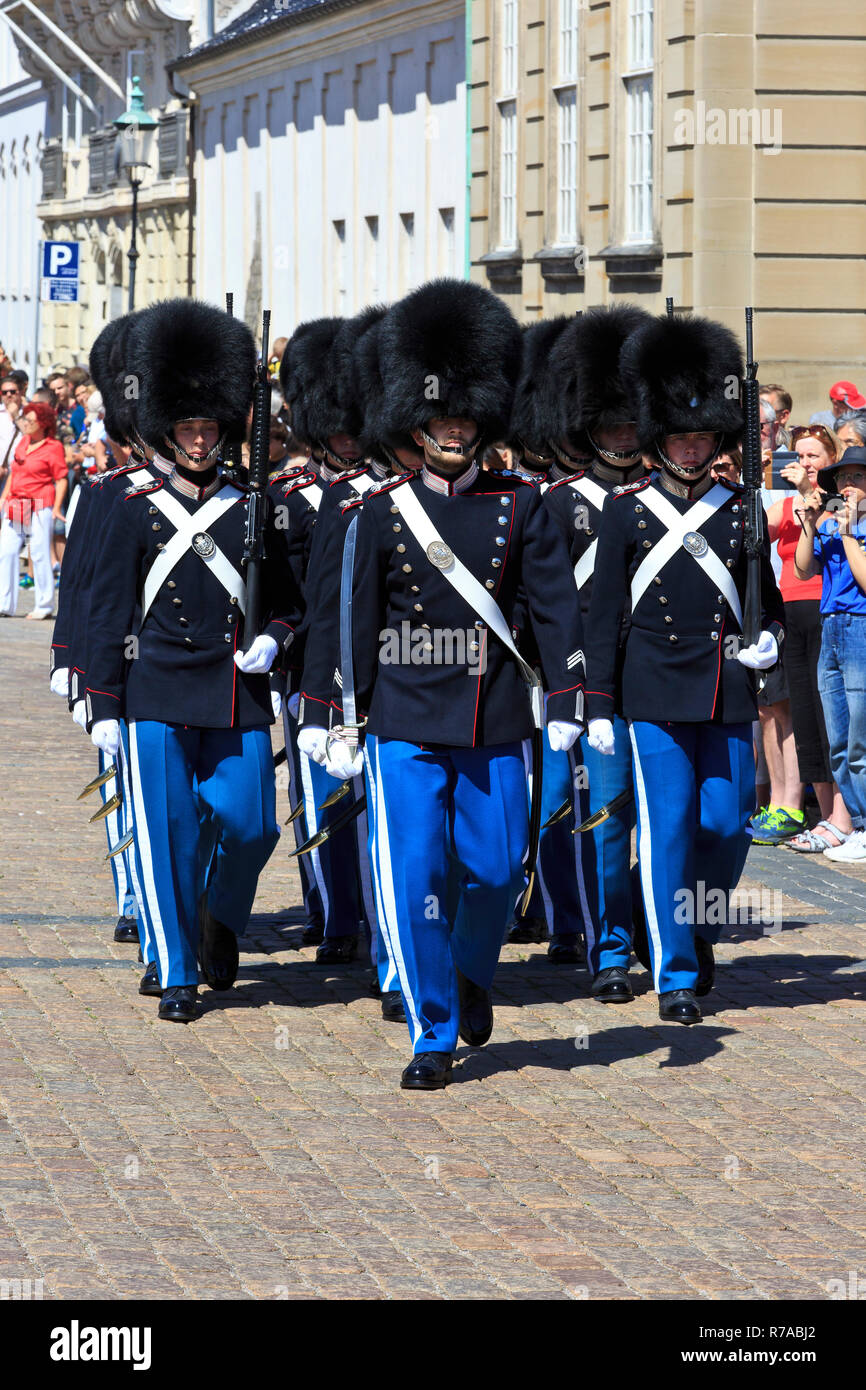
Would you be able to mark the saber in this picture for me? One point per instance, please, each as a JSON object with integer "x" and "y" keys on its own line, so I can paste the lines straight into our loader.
{"x": 336, "y": 796}
{"x": 606, "y": 812}
{"x": 534, "y": 817}
{"x": 347, "y": 732}
{"x": 111, "y": 805}
{"x": 280, "y": 758}
{"x": 99, "y": 781}
{"x": 321, "y": 836}
{"x": 558, "y": 815}
{"x": 121, "y": 845}
{"x": 294, "y": 816}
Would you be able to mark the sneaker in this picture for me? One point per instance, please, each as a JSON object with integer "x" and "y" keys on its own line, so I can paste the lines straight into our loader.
{"x": 25, "y": 582}
{"x": 757, "y": 820}
{"x": 852, "y": 852}
{"x": 776, "y": 827}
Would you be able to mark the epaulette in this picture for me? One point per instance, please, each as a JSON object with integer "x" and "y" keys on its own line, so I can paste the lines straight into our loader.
{"x": 117, "y": 472}
{"x": 511, "y": 476}
{"x": 347, "y": 477}
{"x": 297, "y": 483}
{"x": 572, "y": 478}
{"x": 143, "y": 489}
{"x": 627, "y": 488}
{"x": 294, "y": 472}
{"x": 390, "y": 483}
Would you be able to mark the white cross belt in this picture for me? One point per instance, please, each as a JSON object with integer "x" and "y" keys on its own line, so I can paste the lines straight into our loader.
{"x": 188, "y": 525}
{"x": 677, "y": 526}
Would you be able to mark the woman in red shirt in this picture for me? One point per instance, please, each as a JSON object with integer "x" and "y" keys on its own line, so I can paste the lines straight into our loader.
{"x": 816, "y": 450}
{"x": 31, "y": 502}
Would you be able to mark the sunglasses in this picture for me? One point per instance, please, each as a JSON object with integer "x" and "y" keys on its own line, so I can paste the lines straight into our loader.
{"x": 812, "y": 432}
{"x": 10, "y": 391}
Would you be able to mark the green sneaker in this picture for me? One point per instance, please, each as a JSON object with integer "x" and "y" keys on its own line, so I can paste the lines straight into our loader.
{"x": 776, "y": 827}
{"x": 757, "y": 820}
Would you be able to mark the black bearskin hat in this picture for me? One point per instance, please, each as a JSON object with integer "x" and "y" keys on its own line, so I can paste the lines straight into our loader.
{"x": 586, "y": 369}
{"x": 535, "y": 415}
{"x": 450, "y": 348}
{"x": 356, "y": 368}
{"x": 112, "y": 376}
{"x": 684, "y": 374}
{"x": 192, "y": 360}
{"x": 309, "y": 381}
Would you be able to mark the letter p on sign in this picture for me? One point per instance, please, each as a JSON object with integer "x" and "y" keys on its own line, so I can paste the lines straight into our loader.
{"x": 59, "y": 256}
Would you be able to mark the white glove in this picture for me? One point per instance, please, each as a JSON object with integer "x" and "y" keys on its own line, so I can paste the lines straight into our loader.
{"x": 59, "y": 683}
{"x": 343, "y": 762}
{"x": 762, "y": 654}
{"x": 106, "y": 735}
{"x": 293, "y": 704}
{"x": 276, "y": 703}
{"x": 600, "y": 735}
{"x": 259, "y": 658}
{"x": 311, "y": 741}
{"x": 79, "y": 714}
{"x": 561, "y": 735}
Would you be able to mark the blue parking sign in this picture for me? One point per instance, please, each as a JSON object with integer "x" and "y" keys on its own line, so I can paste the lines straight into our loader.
{"x": 60, "y": 271}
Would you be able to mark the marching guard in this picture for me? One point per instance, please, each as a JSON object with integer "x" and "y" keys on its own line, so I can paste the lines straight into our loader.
{"x": 444, "y": 554}
{"x": 166, "y": 654}
{"x": 671, "y": 546}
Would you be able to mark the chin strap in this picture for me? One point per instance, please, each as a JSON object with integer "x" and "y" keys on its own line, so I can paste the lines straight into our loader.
{"x": 538, "y": 460}
{"x": 567, "y": 461}
{"x": 338, "y": 461}
{"x": 623, "y": 457}
{"x": 211, "y": 453}
{"x": 688, "y": 476}
{"x": 438, "y": 453}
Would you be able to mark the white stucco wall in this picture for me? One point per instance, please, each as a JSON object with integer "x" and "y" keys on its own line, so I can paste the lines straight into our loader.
{"x": 342, "y": 120}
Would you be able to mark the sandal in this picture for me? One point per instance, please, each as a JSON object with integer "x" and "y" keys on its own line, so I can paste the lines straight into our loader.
{"x": 810, "y": 842}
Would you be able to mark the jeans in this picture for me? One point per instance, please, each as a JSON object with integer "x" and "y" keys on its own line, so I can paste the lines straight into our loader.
{"x": 842, "y": 683}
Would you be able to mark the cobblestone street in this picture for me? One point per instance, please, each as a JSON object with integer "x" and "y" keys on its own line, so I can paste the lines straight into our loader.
{"x": 266, "y": 1151}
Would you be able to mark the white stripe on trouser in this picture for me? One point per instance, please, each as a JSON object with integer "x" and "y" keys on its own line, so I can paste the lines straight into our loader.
{"x": 590, "y": 926}
{"x": 150, "y": 900}
{"x": 113, "y": 832}
{"x": 645, "y": 860}
{"x": 368, "y": 901}
{"x": 129, "y": 824}
{"x": 310, "y": 815}
{"x": 390, "y": 922}
{"x": 390, "y": 981}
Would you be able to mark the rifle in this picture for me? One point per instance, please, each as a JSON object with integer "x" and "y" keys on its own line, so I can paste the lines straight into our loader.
{"x": 669, "y": 306}
{"x": 232, "y": 456}
{"x": 752, "y": 478}
{"x": 260, "y": 439}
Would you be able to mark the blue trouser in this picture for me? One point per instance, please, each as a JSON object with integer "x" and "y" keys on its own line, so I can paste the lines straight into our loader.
{"x": 450, "y": 834}
{"x": 204, "y": 802}
{"x": 334, "y": 865}
{"x": 842, "y": 686}
{"x": 606, "y": 851}
{"x": 117, "y": 827}
{"x": 556, "y": 895}
{"x": 694, "y": 788}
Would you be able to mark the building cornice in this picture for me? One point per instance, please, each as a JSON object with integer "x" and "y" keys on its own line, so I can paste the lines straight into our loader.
{"x": 115, "y": 202}
{"x": 329, "y": 28}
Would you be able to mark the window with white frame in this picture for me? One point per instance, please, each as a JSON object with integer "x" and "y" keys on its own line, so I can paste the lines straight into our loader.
{"x": 567, "y": 58}
{"x": 638, "y": 82}
{"x": 565, "y": 67}
{"x": 507, "y": 108}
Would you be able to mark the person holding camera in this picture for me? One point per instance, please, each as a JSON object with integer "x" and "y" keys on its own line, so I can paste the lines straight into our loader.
{"x": 834, "y": 548}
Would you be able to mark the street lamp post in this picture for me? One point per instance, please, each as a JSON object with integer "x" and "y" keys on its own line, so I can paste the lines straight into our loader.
{"x": 135, "y": 131}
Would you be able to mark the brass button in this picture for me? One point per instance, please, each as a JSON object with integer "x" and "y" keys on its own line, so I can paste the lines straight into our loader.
{"x": 227, "y": 637}
{"x": 233, "y": 600}
{"x": 641, "y": 526}
{"x": 673, "y": 637}
{"x": 732, "y": 544}
{"x": 504, "y": 501}
{"x": 720, "y": 598}
{"x": 657, "y": 579}
{"x": 188, "y": 641}
{"x": 230, "y": 617}
{"x": 401, "y": 549}
{"x": 419, "y": 608}
{"x": 499, "y": 540}
{"x": 153, "y": 511}
{"x": 407, "y": 569}
{"x": 415, "y": 589}
{"x": 717, "y": 617}
{"x": 668, "y": 618}
{"x": 502, "y": 520}
{"x": 715, "y": 636}
{"x": 496, "y": 562}
{"x": 589, "y": 531}
{"x": 473, "y": 646}
{"x": 647, "y": 545}
{"x": 478, "y": 623}
{"x": 171, "y": 584}
{"x": 735, "y": 507}
{"x": 638, "y": 507}
{"x": 395, "y": 511}
{"x": 489, "y": 584}
{"x": 160, "y": 546}
{"x": 662, "y": 599}
{"x": 730, "y": 564}
{"x": 428, "y": 646}
{"x": 396, "y": 526}
{"x": 155, "y": 526}
{"x": 177, "y": 602}
{"x": 184, "y": 622}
